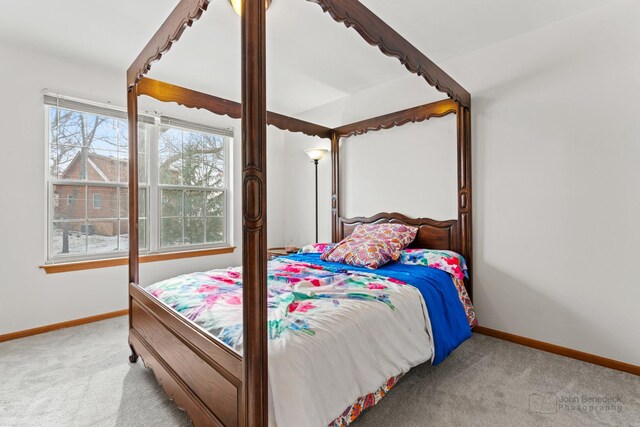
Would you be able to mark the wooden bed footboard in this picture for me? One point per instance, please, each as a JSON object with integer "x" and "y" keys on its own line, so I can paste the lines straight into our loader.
{"x": 201, "y": 374}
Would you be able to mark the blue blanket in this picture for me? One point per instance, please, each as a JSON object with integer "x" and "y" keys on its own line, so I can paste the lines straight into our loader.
{"x": 448, "y": 319}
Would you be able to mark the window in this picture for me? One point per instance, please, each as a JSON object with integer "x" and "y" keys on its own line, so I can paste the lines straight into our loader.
{"x": 97, "y": 202}
{"x": 191, "y": 165}
{"x": 182, "y": 176}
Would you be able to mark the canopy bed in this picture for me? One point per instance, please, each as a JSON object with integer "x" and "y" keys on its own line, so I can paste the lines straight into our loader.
{"x": 206, "y": 375}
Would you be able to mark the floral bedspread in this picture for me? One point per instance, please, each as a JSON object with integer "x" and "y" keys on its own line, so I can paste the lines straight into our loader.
{"x": 297, "y": 292}
{"x": 325, "y": 324}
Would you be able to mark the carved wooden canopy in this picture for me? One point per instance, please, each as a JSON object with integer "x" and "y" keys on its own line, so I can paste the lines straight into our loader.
{"x": 351, "y": 13}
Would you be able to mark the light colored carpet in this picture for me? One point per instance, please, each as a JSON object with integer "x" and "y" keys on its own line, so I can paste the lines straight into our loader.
{"x": 81, "y": 377}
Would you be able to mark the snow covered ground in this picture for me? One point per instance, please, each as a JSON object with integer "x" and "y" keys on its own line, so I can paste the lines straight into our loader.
{"x": 80, "y": 243}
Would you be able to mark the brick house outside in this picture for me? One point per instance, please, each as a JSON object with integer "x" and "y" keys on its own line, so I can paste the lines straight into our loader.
{"x": 94, "y": 209}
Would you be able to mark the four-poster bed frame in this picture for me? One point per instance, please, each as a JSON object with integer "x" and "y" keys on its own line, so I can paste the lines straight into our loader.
{"x": 215, "y": 385}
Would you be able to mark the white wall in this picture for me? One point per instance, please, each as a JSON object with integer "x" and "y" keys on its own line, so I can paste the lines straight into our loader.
{"x": 421, "y": 168}
{"x": 556, "y": 148}
{"x": 30, "y": 298}
{"x": 417, "y": 152}
{"x": 299, "y": 214}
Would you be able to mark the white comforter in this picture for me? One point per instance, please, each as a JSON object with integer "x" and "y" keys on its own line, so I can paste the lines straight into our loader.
{"x": 334, "y": 336}
{"x": 314, "y": 379}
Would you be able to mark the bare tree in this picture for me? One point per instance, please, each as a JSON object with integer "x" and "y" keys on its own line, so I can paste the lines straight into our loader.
{"x": 190, "y": 159}
{"x": 73, "y": 135}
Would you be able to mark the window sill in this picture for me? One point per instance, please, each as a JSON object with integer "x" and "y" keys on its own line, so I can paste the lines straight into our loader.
{"x": 114, "y": 262}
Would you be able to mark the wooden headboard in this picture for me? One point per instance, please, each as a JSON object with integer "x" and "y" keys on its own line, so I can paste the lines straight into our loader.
{"x": 432, "y": 234}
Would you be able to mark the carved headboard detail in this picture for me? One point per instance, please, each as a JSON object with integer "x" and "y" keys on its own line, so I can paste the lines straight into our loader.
{"x": 432, "y": 234}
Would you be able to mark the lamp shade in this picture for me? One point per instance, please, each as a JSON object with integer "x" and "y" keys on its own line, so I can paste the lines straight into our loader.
{"x": 316, "y": 153}
{"x": 237, "y": 5}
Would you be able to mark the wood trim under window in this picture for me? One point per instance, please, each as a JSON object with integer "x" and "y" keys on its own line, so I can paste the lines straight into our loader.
{"x": 114, "y": 262}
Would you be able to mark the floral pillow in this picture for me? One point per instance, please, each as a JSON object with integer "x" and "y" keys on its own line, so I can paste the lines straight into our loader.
{"x": 397, "y": 235}
{"x": 369, "y": 253}
{"x": 449, "y": 261}
{"x": 316, "y": 248}
{"x": 372, "y": 245}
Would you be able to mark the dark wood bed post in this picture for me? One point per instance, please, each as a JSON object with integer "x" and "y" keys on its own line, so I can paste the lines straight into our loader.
{"x": 134, "y": 266}
{"x": 335, "y": 186}
{"x": 254, "y": 212}
{"x": 463, "y": 122}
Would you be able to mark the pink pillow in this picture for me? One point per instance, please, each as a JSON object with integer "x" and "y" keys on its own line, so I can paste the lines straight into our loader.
{"x": 397, "y": 235}
{"x": 372, "y": 245}
{"x": 369, "y": 253}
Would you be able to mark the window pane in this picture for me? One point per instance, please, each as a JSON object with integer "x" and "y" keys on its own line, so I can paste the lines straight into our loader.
{"x": 171, "y": 232}
{"x": 123, "y": 138}
{"x": 194, "y": 231}
{"x": 143, "y": 172}
{"x": 104, "y": 162}
{"x": 215, "y": 203}
{"x": 143, "y": 143}
{"x": 69, "y": 202}
{"x": 103, "y": 202}
{"x": 194, "y": 202}
{"x": 104, "y": 166}
{"x": 85, "y": 146}
{"x": 171, "y": 203}
{"x": 102, "y": 139}
{"x": 123, "y": 195}
{"x": 216, "y": 223}
{"x": 142, "y": 235}
{"x": 123, "y": 238}
{"x": 170, "y": 156}
{"x": 213, "y": 165}
{"x": 71, "y": 162}
{"x": 68, "y": 127}
{"x": 123, "y": 151}
{"x": 53, "y": 161}
{"x": 69, "y": 238}
{"x": 192, "y": 158}
{"x": 123, "y": 170}
{"x": 102, "y": 236}
{"x": 215, "y": 230}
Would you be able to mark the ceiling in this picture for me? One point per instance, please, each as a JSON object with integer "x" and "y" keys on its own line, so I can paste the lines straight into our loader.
{"x": 311, "y": 59}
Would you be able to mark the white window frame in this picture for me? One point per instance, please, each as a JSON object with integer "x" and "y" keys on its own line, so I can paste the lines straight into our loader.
{"x": 157, "y": 188}
{"x": 152, "y": 186}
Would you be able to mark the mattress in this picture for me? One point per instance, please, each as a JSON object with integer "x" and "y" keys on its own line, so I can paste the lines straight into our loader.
{"x": 336, "y": 336}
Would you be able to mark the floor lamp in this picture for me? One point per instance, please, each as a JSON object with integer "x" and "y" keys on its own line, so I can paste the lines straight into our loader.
{"x": 316, "y": 154}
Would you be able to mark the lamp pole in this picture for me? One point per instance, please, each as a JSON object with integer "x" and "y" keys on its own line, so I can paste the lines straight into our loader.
{"x": 316, "y": 154}
{"x": 315, "y": 161}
